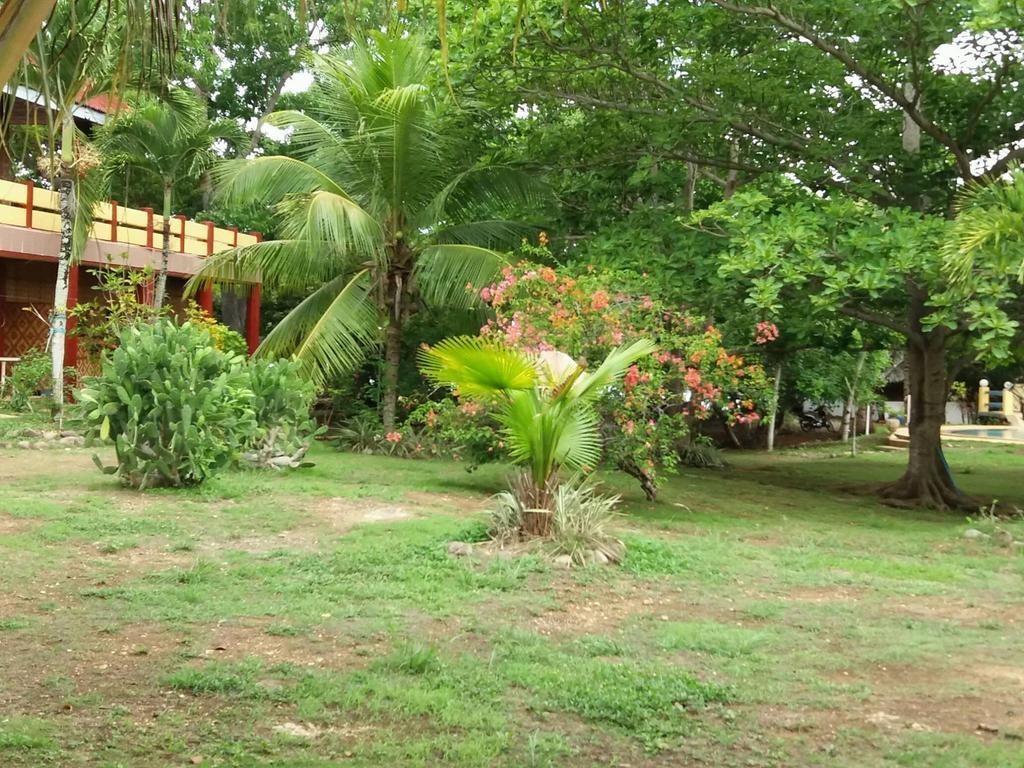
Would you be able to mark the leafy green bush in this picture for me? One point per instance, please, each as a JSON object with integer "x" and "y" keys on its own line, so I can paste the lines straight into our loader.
{"x": 176, "y": 408}
{"x": 282, "y": 399}
{"x": 29, "y": 376}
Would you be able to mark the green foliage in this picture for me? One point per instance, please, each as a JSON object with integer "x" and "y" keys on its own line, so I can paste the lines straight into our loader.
{"x": 281, "y": 402}
{"x": 177, "y": 409}
{"x": 120, "y": 304}
{"x": 380, "y": 209}
{"x": 29, "y": 377}
{"x": 823, "y": 376}
{"x": 464, "y": 431}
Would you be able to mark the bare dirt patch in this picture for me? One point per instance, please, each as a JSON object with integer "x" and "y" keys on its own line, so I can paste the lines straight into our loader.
{"x": 947, "y": 608}
{"x": 829, "y": 594}
{"x": 579, "y": 615}
{"x": 260, "y": 638}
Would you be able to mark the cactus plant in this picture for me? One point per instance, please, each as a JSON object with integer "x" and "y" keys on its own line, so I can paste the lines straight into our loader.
{"x": 176, "y": 408}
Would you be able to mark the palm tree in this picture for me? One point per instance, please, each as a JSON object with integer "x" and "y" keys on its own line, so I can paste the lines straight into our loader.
{"x": 380, "y": 213}
{"x": 173, "y": 141}
{"x": 74, "y": 57}
{"x": 544, "y": 403}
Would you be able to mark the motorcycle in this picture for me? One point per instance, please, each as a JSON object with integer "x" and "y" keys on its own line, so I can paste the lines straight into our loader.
{"x": 818, "y": 419}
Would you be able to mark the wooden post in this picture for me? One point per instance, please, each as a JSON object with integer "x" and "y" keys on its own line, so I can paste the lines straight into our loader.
{"x": 30, "y": 190}
{"x": 70, "y": 339}
{"x": 181, "y": 218}
{"x": 252, "y": 319}
{"x": 1008, "y": 401}
{"x": 252, "y": 310}
{"x": 149, "y": 227}
{"x": 113, "y": 221}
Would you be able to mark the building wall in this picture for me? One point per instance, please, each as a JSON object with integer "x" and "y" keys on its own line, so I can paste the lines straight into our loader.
{"x": 26, "y": 299}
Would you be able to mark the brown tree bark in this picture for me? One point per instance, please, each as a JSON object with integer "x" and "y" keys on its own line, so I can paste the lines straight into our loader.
{"x": 927, "y": 480}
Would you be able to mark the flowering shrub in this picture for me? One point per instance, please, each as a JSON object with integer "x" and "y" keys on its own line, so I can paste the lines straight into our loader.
{"x": 586, "y": 314}
{"x": 461, "y": 431}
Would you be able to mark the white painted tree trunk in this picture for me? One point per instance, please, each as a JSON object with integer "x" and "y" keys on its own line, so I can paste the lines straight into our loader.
{"x": 773, "y": 408}
{"x": 59, "y": 315}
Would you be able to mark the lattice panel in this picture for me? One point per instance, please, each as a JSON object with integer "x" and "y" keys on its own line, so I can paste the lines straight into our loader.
{"x": 26, "y": 285}
{"x": 22, "y": 330}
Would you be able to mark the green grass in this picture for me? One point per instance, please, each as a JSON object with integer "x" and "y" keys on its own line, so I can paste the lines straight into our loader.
{"x": 761, "y": 617}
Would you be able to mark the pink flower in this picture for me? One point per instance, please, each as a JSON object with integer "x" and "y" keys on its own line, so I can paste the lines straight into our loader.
{"x": 485, "y": 294}
{"x": 599, "y": 301}
{"x": 393, "y": 437}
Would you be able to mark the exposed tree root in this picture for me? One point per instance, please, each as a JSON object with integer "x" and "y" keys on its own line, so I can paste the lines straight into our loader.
{"x": 931, "y": 491}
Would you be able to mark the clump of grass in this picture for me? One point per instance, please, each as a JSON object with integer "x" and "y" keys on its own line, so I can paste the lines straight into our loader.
{"x": 412, "y": 659}
{"x": 13, "y": 623}
{"x": 222, "y": 678}
{"x": 581, "y": 523}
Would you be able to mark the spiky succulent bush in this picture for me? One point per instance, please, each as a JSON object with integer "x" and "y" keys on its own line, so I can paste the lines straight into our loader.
{"x": 176, "y": 408}
{"x": 282, "y": 400}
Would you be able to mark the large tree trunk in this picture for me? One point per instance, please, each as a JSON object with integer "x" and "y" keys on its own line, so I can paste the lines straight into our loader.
{"x": 165, "y": 256}
{"x": 398, "y": 305}
{"x": 927, "y": 480}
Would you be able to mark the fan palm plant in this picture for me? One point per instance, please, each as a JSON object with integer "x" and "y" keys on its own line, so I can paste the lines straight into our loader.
{"x": 380, "y": 212}
{"x": 171, "y": 140}
{"x": 544, "y": 403}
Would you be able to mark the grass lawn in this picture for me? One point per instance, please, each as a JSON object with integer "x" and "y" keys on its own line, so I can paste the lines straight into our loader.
{"x": 769, "y": 615}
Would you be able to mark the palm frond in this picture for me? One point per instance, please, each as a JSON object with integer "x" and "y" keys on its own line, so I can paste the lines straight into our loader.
{"x": 452, "y": 275}
{"x": 289, "y": 266}
{"x": 579, "y": 445}
{"x": 476, "y": 367}
{"x": 329, "y": 221}
{"x": 330, "y": 331}
{"x": 483, "y": 188}
{"x": 270, "y": 179}
{"x": 588, "y": 386}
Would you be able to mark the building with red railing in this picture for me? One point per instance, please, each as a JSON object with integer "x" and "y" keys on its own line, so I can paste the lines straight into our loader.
{"x": 121, "y": 236}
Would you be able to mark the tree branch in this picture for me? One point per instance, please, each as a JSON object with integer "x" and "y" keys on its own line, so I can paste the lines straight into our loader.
{"x": 854, "y": 66}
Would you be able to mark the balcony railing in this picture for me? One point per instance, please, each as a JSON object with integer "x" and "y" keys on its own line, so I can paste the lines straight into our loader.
{"x": 23, "y": 204}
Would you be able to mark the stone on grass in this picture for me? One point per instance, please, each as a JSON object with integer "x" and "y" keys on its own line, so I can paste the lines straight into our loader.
{"x": 73, "y": 440}
{"x": 974, "y": 533}
{"x": 49, "y": 435}
{"x": 460, "y": 548}
{"x": 24, "y": 445}
{"x": 563, "y": 561}
{"x": 596, "y": 556}
{"x": 297, "y": 731}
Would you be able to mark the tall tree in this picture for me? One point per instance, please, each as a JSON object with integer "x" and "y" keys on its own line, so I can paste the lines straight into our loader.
{"x": 380, "y": 213}
{"x": 172, "y": 140}
{"x": 883, "y": 267}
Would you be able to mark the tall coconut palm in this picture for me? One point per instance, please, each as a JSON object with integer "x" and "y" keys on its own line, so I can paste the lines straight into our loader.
{"x": 380, "y": 212}
{"x": 172, "y": 140}
{"x": 544, "y": 403}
